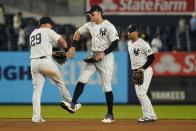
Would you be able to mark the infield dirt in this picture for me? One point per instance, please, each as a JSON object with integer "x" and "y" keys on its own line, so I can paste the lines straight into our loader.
{"x": 96, "y": 125}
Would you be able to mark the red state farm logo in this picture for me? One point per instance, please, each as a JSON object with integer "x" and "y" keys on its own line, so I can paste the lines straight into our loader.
{"x": 154, "y": 5}
{"x": 167, "y": 64}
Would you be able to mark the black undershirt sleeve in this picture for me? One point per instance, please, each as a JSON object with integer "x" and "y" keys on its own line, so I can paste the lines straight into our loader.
{"x": 149, "y": 61}
{"x": 112, "y": 47}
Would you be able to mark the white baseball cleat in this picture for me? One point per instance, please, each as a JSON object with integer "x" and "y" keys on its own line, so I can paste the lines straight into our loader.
{"x": 38, "y": 120}
{"x": 77, "y": 106}
{"x": 70, "y": 107}
{"x": 154, "y": 118}
{"x": 147, "y": 119}
{"x": 109, "y": 119}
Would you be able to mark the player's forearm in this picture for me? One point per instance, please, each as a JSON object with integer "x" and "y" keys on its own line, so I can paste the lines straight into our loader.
{"x": 76, "y": 36}
{"x": 62, "y": 43}
{"x": 149, "y": 61}
{"x": 112, "y": 47}
{"x": 76, "y": 39}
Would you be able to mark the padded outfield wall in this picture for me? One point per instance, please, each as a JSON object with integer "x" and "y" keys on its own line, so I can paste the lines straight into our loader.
{"x": 174, "y": 80}
{"x": 16, "y": 82}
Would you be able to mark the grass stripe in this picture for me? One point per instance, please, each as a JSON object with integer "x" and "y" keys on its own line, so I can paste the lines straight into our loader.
{"x": 98, "y": 111}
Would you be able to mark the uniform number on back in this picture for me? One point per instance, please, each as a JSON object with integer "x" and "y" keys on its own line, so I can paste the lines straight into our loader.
{"x": 36, "y": 39}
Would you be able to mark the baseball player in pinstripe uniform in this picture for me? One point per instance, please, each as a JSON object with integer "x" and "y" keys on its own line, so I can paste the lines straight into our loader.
{"x": 104, "y": 41}
{"x": 42, "y": 64}
{"x": 141, "y": 56}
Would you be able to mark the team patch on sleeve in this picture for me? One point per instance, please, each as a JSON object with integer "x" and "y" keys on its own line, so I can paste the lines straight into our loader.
{"x": 149, "y": 50}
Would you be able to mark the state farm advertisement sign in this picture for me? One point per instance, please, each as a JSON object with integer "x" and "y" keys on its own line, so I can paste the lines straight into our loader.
{"x": 175, "y": 64}
{"x": 150, "y": 7}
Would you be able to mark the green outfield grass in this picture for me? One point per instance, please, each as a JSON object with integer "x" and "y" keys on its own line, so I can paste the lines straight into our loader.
{"x": 98, "y": 111}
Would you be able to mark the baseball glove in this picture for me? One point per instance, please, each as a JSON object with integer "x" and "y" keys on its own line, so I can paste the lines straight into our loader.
{"x": 59, "y": 56}
{"x": 91, "y": 58}
{"x": 138, "y": 77}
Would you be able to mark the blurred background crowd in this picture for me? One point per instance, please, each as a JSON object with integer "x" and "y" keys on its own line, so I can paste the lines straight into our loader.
{"x": 15, "y": 27}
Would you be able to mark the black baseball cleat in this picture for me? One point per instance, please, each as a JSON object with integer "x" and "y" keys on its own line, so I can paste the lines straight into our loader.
{"x": 65, "y": 105}
{"x": 69, "y": 106}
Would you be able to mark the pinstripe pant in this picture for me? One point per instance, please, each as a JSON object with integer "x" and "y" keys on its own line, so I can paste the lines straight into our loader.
{"x": 105, "y": 69}
{"x": 41, "y": 68}
{"x": 141, "y": 92}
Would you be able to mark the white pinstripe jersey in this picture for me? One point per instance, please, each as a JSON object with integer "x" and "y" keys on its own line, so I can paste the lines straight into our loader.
{"x": 102, "y": 34}
{"x": 138, "y": 52}
{"x": 41, "y": 41}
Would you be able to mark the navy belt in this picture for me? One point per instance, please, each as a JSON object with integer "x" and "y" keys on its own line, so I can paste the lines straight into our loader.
{"x": 42, "y": 57}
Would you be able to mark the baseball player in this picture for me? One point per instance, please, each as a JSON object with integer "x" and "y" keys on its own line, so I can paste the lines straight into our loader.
{"x": 42, "y": 64}
{"x": 104, "y": 41}
{"x": 141, "y": 56}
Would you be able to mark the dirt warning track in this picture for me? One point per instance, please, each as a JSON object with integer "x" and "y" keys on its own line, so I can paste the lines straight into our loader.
{"x": 96, "y": 125}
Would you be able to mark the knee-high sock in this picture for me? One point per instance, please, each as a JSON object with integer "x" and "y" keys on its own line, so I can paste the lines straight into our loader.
{"x": 109, "y": 101}
{"x": 77, "y": 92}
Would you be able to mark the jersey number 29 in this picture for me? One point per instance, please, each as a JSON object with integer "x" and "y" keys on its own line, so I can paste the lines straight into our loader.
{"x": 35, "y": 39}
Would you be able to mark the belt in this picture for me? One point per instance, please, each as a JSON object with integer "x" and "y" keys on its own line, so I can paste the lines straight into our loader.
{"x": 42, "y": 57}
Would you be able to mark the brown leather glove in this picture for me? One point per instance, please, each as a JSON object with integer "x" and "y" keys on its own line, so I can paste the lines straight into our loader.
{"x": 91, "y": 59}
{"x": 138, "y": 77}
{"x": 59, "y": 56}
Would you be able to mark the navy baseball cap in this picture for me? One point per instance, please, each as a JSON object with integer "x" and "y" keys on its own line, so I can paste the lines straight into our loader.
{"x": 95, "y": 8}
{"x": 45, "y": 20}
{"x": 133, "y": 28}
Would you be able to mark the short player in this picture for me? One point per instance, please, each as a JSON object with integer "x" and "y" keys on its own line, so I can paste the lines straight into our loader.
{"x": 104, "y": 41}
{"x": 141, "y": 56}
{"x": 42, "y": 64}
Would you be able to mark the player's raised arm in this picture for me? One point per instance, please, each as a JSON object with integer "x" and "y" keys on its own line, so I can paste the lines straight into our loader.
{"x": 57, "y": 38}
{"x": 81, "y": 31}
{"x": 62, "y": 43}
{"x": 76, "y": 38}
{"x": 56, "y": 54}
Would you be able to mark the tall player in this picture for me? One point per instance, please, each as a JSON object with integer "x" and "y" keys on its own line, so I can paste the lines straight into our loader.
{"x": 141, "y": 56}
{"x": 104, "y": 42}
{"x": 42, "y": 64}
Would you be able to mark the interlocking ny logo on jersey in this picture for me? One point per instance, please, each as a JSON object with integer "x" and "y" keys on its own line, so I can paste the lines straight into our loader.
{"x": 102, "y": 31}
{"x": 136, "y": 51}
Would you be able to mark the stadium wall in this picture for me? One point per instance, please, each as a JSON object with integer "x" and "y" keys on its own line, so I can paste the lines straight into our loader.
{"x": 16, "y": 82}
{"x": 174, "y": 80}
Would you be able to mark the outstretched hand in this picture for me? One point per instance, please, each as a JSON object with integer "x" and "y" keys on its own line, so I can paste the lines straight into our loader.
{"x": 71, "y": 52}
